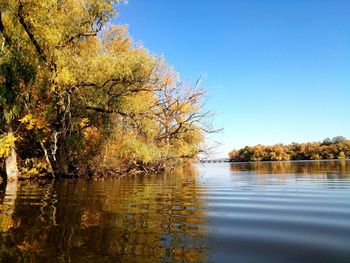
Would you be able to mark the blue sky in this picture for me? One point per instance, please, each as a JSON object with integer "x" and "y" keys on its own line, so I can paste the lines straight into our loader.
{"x": 275, "y": 71}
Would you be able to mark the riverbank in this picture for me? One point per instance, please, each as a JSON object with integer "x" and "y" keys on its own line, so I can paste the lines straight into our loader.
{"x": 294, "y": 161}
{"x": 336, "y": 148}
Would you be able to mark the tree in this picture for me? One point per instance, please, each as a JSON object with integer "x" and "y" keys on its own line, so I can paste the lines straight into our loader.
{"x": 341, "y": 155}
{"x": 338, "y": 147}
{"x": 338, "y": 139}
{"x": 73, "y": 85}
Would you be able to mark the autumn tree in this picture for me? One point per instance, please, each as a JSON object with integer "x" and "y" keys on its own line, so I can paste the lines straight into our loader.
{"x": 336, "y": 148}
{"x": 73, "y": 85}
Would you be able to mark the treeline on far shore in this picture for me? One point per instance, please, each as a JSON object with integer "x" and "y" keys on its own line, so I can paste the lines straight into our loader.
{"x": 336, "y": 148}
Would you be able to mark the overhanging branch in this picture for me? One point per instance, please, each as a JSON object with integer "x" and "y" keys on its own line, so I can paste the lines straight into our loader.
{"x": 30, "y": 34}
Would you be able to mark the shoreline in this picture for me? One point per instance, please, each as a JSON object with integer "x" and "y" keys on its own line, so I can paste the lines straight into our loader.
{"x": 294, "y": 161}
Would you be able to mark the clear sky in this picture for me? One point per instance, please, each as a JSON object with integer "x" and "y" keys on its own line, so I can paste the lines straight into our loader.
{"x": 275, "y": 71}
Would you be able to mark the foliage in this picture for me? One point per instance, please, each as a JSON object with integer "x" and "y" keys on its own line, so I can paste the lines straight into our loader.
{"x": 337, "y": 148}
{"x": 8, "y": 254}
{"x": 6, "y": 141}
{"x": 136, "y": 151}
{"x": 76, "y": 90}
{"x": 34, "y": 168}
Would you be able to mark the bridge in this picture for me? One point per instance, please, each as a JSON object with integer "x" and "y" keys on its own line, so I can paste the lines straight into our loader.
{"x": 216, "y": 160}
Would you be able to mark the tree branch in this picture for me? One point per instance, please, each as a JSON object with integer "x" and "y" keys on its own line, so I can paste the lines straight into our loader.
{"x": 30, "y": 34}
{"x": 102, "y": 110}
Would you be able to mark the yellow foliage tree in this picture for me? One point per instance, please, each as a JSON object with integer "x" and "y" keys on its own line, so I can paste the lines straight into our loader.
{"x": 72, "y": 84}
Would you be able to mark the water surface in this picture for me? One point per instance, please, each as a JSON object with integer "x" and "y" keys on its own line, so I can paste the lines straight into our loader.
{"x": 241, "y": 212}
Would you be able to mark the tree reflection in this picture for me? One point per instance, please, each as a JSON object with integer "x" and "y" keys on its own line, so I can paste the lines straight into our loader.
{"x": 141, "y": 219}
{"x": 7, "y": 205}
{"x": 331, "y": 169}
{"x": 7, "y": 223}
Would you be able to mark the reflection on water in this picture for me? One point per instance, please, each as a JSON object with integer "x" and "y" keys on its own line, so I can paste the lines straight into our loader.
{"x": 329, "y": 168}
{"x": 260, "y": 212}
{"x": 7, "y": 205}
{"x": 151, "y": 219}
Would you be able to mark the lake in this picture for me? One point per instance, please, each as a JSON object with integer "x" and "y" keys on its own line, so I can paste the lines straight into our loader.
{"x": 238, "y": 212}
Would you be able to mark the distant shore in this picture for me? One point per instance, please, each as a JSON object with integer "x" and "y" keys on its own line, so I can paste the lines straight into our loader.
{"x": 222, "y": 160}
{"x": 294, "y": 161}
{"x": 335, "y": 148}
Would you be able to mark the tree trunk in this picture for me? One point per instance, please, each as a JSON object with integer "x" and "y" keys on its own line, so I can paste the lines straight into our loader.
{"x": 63, "y": 167}
{"x": 60, "y": 162}
{"x": 11, "y": 163}
{"x": 61, "y": 159}
{"x": 47, "y": 158}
